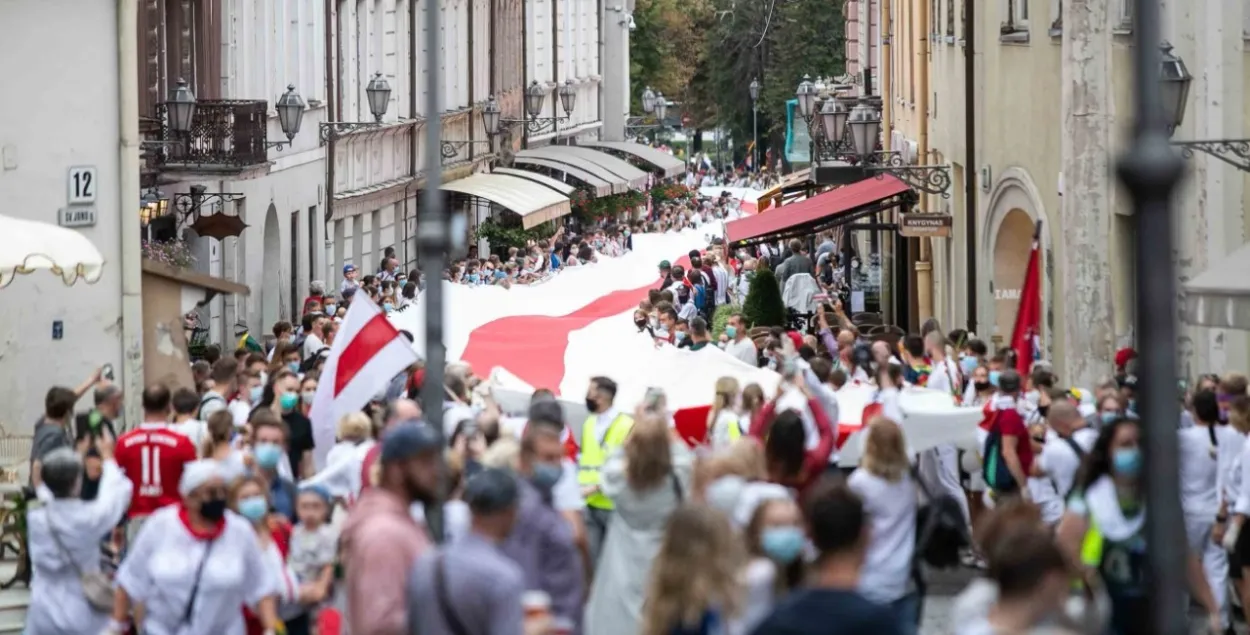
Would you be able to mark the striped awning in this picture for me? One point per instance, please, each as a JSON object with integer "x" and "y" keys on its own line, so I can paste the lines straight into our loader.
{"x": 534, "y": 203}
{"x": 1220, "y": 296}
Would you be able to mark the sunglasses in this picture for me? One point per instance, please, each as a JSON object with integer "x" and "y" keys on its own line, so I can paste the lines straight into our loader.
{"x": 1041, "y": 440}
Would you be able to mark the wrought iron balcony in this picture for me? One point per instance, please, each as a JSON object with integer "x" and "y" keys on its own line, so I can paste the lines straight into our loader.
{"x": 225, "y": 133}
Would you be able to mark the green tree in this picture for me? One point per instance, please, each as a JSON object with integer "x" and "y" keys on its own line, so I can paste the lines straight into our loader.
{"x": 665, "y": 48}
{"x": 776, "y": 41}
{"x": 763, "y": 306}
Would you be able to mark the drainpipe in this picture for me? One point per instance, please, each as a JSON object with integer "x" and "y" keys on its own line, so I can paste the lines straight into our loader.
{"x": 970, "y": 166}
{"x": 555, "y": 72}
{"x": 887, "y": 71}
{"x": 128, "y": 164}
{"x": 332, "y": 110}
{"x": 924, "y": 263}
{"x": 525, "y": 69}
{"x": 413, "y": 113}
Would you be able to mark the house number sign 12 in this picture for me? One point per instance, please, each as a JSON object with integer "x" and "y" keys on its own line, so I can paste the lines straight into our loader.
{"x": 82, "y": 185}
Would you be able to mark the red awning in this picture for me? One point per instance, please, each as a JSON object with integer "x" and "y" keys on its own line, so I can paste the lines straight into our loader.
{"x": 843, "y": 199}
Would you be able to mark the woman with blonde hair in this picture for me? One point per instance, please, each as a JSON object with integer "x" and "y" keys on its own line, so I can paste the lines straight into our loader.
{"x": 694, "y": 587}
{"x": 752, "y": 401}
{"x": 724, "y": 425}
{"x": 353, "y": 437}
{"x": 647, "y": 479}
{"x": 884, "y": 482}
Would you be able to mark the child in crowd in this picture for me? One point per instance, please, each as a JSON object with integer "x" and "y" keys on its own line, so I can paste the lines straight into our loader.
{"x": 314, "y": 547}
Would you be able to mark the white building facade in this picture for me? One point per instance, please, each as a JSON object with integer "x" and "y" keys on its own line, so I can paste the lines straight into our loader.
{"x": 46, "y": 131}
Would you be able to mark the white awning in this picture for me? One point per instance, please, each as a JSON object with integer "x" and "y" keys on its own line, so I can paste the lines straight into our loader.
{"x": 663, "y": 161}
{"x": 541, "y": 179}
{"x": 536, "y": 204}
{"x": 587, "y": 159}
{"x": 1220, "y": 296}
{"x": 603, "y": 182}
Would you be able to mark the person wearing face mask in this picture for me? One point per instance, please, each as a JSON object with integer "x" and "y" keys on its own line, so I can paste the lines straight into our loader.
{"x": 269, "y": 437}
{"x": 1103, "y": 529}
{"x": 282, "y": 397}
{"x": 198, "y": 532}
{"x": 884, "y": 482}
{"x": 775, "y": 543}
{"x": 273, "y": 536}
{"x": 542, "y": 544}
{"x": 603, "y": 432}
{"x": 251, "y": 390}
{"x": 307, "y": 393}
{"x": 381, "y": 539}
{"x": 58, "y": 603}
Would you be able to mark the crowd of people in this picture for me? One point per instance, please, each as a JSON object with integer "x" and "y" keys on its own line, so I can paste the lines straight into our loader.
{"x": 213, "y": 515}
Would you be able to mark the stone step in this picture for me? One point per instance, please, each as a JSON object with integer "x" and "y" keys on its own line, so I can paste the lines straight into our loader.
{"x": 13, "y": 601}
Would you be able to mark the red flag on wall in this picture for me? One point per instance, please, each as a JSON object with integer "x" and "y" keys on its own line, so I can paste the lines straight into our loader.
{"x": 1025, "y": 336}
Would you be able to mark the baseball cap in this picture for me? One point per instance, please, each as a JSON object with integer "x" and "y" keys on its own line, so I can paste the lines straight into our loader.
{"x": 349, "y": 268}
{"x": 408, "y": 439}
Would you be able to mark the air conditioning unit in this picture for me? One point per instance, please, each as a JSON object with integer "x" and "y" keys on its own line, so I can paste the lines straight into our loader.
{"x": 910, "y": 152}
{"x": 896, "y": 140}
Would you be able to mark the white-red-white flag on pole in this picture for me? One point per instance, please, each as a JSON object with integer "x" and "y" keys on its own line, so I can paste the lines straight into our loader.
{"x": 367, "y": 354}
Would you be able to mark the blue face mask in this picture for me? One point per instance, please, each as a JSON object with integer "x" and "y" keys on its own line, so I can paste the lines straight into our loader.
{"x": 388, "y": 307}
{"x": 288, "y": 401}
{"x": 500, "y": 274}
{"x": 783, "y": 544}
{"x": 1126, "y": 462}
{"x": 731, "y": 332}
{"x": 994, "y": 375}
{"x": 254, "y": 508}
{"x": 967, "y": 364}
{"x": 545, "y": 475}
{"x": 331, "y": 309}
{"x": 679, "y": 337}
{"x": 256, "y": 393}
{"x": 1108, "y": 417}
{"x": 473, "y": 278}
{"x": 1132, "y": 405}
{"x": 267, "y": 455}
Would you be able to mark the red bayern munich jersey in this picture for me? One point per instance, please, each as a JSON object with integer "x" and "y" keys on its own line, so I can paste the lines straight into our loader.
{"x": 153, "y": 456}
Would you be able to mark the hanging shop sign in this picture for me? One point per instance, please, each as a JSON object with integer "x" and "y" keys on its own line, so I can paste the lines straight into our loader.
{"x": 925, "y": 225}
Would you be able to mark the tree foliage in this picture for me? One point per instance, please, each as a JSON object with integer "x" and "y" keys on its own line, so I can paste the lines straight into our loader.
{"x": 666, "y": 47}
{"x": 704, "y": 53}
{"x": 763, "y": 305}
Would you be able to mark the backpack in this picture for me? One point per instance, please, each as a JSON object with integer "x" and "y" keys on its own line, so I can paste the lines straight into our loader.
{"x": 941, "y": 532}
{"x": 993, "y": 468}
{"x": 208, "y": 398}
{"x": 1080, "y": 457}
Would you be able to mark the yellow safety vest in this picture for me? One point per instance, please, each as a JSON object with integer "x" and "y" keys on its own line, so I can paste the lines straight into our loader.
{"x": 594, "y": 455}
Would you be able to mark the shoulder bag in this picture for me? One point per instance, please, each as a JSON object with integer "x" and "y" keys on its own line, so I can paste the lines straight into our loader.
{"x": 444, "y": 600}
{"x": 97, "y": 587}
{"x": 195, "y": 588}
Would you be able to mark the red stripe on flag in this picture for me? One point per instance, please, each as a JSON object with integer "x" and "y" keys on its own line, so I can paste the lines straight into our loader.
{"x": 372, "y": 338}
{"x": 532, "y": 347}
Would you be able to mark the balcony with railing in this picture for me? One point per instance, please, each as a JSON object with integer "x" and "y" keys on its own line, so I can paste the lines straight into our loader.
{"x": 225, "y": 134}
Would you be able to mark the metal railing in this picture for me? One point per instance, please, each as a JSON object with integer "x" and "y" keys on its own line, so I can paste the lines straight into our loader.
{"x": 225, "y": 133}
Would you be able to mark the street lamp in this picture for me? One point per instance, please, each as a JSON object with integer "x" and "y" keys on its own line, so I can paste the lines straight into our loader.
{"x": 378, "y": 95}
{"x": 290, "y": 109}
{"x": 845, "y": 160}
{"x": 754, "y": 89}
{"x": 648, "y": 101}
{"x": 568, "y": 96}
{"x": 535, "y": 95}
{"x": 1174, "y": 80}
{"x": 806, "y": 95}
{"x": 661, "y": 107}
{"x": 181, "y": 108}
{"x": 491, "y": 113}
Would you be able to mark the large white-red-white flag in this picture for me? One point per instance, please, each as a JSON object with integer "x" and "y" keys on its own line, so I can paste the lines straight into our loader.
{"x": 367, "y": 354}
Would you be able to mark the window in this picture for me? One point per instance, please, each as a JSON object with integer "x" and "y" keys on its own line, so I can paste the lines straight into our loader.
{"x": 1016, "y": 27}
{"x": 296, "y": 305}
{"x": 312, "y": 242}
{"x": 935, "y": 14}
{"x": 1125, "y": 23}
{"x": 1056, "y": 23}
{"x": 950, "y": 20}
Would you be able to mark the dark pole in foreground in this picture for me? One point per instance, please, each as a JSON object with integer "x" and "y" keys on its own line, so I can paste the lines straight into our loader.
{"x": 434, "y": 240}
{"x": 1150, "y": 170}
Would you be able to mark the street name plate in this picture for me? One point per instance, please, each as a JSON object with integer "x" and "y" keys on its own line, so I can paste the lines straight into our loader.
{"x": 77, "y": 216}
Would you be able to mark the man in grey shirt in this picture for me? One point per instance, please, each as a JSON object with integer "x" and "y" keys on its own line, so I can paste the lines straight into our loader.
{"x": 52, "y": 431}
{"x": 798, "y": 262}
{"x": 470, "y": 587}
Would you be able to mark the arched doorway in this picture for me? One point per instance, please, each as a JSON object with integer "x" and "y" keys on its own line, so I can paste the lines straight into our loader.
{"x": 1012, "y": 246}
{"x": 271, "y": 273}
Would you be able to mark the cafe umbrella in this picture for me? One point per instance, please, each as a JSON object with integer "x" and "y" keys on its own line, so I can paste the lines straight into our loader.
{"x": 28, "y": 246}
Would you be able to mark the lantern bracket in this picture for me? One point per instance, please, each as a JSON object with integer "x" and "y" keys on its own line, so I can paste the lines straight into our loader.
{"x": 1235, "y": 152}
{"x": 451, "y": 148}
{"x": 191, "y": 202}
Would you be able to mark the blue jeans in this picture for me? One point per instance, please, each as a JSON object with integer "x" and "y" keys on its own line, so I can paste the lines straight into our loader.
{"x": 907, "y": 608}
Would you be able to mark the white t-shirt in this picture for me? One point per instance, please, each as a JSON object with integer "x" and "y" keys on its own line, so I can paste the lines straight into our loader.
{"x": 718, "y": 436}
{"x": 240, "y": 409}
{"x": 945, "y": 377}
{"x": 1047, "y": 499}
{"x": 722, "y": 284}
{"x": 193, "y": 429}
{"x": 744, "y": 350}
{"x": 891, "y": 510}
{"x": 1200, "y": 463}
{"x": 312, "y": 344}
{"x": 1060, "y": 462}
